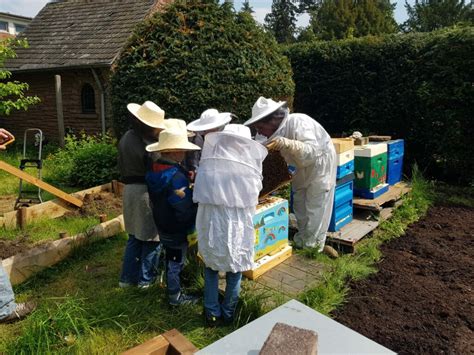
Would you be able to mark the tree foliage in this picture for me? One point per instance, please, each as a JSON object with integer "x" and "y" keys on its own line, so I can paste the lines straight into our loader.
{"x": 415, "y": 86}
{"x": 281, "y": 21}
{"x": 430, "y": 15}
{"x": 195, "y": 55}
{"x": 12, "y": 93}
{"x": 246, "y": 7}
{"x": 338, "y": 19}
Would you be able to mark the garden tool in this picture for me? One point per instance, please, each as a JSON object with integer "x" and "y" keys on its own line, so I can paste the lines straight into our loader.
{"x": 28, "y": 197}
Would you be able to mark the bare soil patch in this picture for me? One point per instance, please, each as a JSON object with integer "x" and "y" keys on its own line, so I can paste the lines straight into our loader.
{"x": 94, "y": 205}
{"x": 421, "y": 301}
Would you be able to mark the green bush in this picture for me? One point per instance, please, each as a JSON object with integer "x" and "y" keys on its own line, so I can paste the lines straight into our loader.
{"x": 195, "y": 55}
{"x": 85, "y": 161}
{"x": 418, "y": 87}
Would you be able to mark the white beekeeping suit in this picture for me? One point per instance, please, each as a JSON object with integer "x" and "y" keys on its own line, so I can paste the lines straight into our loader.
{"x": 309, "y": 148}
{"x": 227, "y": 187}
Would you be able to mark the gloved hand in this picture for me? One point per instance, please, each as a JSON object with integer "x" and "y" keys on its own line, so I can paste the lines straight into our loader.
{"x": 281, "y": 143}
{"x": 192, "y": 237}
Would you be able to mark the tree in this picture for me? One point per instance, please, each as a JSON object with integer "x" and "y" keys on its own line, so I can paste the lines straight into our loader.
{"x": 429, "y": 15}
{"x": 12, "y": 93}
{"x": 281, "y": 22}
{"x": 246, "y": 7}
{"x": 337, "y": 19}
{"x": 199, "y": 54}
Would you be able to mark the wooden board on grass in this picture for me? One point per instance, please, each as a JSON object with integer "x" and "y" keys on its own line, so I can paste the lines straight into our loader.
{"x": 353, "y": 232}
{"x": 39, "y": 183}
{"x": 393, "y": 194}
{"x": 268, "y": 262}
{"x": 155, "y": 346}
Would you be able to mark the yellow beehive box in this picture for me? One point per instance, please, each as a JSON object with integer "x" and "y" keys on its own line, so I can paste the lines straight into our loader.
{"x": 343, "y": 144}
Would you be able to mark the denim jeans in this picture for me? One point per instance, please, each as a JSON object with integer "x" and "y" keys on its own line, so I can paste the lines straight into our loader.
{"x": 140, "y": 262}
{"x": 211, "y": 293}
{"x": 175, "y": 258}
{"x": 7, "y": 298}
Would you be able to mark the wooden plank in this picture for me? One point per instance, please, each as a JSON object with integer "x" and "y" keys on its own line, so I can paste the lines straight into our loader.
{"x": 179, "y": 344}
{"x": 353, "y": 232}
{"x": 21, "y": 266}
{"x": 155, "y": 346}
{"x": 268, "y": 262}
{"x": 393, "y": 194}
{"x": 41, "y": 184}
{"x": 51, "y": 209}
{"x": 387, "y": 212}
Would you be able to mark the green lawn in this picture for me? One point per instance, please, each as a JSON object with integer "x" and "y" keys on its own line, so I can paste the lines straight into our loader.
{"x": 82, "y": 310}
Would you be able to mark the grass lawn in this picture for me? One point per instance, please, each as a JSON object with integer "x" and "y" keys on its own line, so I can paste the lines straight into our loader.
{"x": 82, "y": 310}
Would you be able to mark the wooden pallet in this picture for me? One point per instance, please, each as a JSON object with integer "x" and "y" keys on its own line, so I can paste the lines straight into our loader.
{"x": 268, "y": 262}
{"x": 393, "y": 194}
{"x": 349, "y": 235}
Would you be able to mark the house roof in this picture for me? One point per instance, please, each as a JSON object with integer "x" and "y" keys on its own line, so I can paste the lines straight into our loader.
{"x": 78, "y": 33}
{"x": 13, "y": 16}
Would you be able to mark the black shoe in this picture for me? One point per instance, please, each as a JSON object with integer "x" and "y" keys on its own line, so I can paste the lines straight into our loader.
{"x": 213, "y": 321}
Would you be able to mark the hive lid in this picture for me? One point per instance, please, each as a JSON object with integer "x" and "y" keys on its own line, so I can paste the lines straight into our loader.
{"x": 370, "y": 150}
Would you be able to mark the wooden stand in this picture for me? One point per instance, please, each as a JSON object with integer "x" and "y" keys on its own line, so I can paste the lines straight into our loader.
{"x": 170, "y": 343}
{"x": 268, "y": 262}
{"x": 394, "y": 193}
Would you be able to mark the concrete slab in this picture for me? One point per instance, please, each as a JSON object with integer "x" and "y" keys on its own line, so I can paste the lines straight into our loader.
{"x": 333, "y": 337}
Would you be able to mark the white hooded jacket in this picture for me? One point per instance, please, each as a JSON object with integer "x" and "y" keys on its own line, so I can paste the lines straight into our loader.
{"x": 312, "y": 153}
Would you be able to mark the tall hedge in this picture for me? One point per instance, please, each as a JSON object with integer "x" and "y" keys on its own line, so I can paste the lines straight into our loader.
{"x": 196, "y": 55}
{"x": 419, "y": 87}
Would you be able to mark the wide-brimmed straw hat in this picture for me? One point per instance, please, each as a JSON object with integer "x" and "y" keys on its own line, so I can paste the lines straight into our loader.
{"x": 176, "y": 123}
{"x": 210, "y": 119}
{"x": 262, "y": 108}
{"x": 149, "y": 113}
{"x": 172, "y": 140}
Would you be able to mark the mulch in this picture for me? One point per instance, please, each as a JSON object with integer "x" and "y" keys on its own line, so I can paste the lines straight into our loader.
{"x": 421, "y": 301}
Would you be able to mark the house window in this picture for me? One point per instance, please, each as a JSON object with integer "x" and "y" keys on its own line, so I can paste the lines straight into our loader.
{"x": 19, "y": 28}
{"x": 88, "y": 99}
{"x": 4, "y": 26}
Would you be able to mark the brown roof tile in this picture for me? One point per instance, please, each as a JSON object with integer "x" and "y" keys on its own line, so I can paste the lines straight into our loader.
{"x": 75, "y": 33}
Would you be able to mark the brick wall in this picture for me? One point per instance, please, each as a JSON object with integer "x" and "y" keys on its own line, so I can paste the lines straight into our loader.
{"x": 43, "y": 115}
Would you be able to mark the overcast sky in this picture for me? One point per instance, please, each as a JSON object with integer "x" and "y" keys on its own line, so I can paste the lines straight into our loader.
{"x": 261, "y": 8}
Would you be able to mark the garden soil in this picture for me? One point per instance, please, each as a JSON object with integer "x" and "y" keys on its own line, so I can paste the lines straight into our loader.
{"x": 94, "y": 205}
{"x": 421, "y": 301}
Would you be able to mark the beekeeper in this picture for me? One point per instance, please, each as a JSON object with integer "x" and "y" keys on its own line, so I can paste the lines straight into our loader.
{"x": 210, "y": 121}
{"x": 227, "y": 188}
{"x": 304, "y": 144}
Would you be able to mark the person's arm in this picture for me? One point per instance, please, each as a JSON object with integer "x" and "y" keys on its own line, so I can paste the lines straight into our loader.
{"x": 304, "y": 149}
{"x": 5, "y": 138}
{"x": 181, "y": 199}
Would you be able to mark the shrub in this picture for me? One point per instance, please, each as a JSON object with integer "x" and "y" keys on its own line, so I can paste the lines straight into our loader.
{"x": 195, "y": 55}
{"x": 85, "y": 161}
{"x": 417, "y": 87}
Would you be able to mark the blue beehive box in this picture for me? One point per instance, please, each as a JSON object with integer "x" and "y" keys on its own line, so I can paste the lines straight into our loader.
{"x": 345, "y": 163}
{"x": 373, "y": 193}
{"x": 271, "y": 226}
{"x": 395, "y": 152}
{"x": 345, "y": 169}
{"x": 342, "y": 211}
